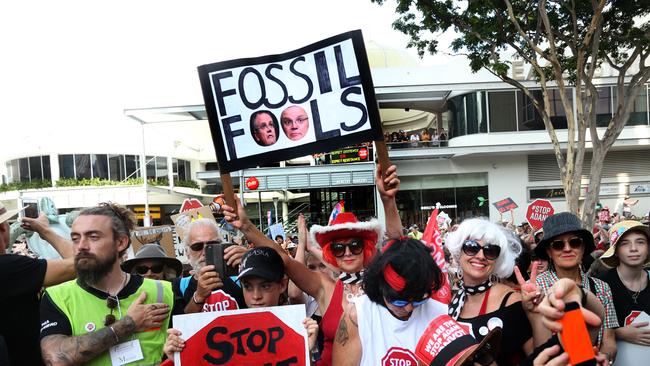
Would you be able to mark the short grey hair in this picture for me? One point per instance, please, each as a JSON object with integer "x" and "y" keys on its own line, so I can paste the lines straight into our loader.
{"x": 201, "y": 223}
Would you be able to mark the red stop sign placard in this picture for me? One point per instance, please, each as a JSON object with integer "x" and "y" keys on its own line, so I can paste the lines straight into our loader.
{"x": 252, "y": 183}
{"x": 397, "y": 356}
{"x": 363, "y": 153}
{"x": 245, "y": 339}
{"x": 537, "y": 212}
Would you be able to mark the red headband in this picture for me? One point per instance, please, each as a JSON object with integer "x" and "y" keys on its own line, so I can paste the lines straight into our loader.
{"x": 394, "y": 280}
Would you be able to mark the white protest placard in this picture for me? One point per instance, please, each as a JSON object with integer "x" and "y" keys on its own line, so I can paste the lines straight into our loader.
{"x": 271, "y": 108}
{"x": 259, "y": 336}
{"x": 633, "y": 354}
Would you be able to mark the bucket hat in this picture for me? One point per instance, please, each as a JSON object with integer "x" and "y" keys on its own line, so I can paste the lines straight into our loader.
{"x": 153, "y": 251}
{"x": 616, "y": 232}
{"x": 559, "y": 224}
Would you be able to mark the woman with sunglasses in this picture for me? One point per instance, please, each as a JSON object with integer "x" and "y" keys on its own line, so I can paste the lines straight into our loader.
{"x": 564, "y": 245}
{"x": 486, "y": 252}
{"x": 347, "y": 244}
{"x": 152, "y": 262}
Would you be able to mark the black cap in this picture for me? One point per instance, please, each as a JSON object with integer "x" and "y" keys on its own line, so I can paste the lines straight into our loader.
{"x": 559, "y": 224}
{"x": 262, "y": 262}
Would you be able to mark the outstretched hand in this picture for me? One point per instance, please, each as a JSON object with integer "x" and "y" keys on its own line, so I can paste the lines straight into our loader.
{"x": 235, "y": 216}
{"x": 553, "y": 304}
{"x": 531, "y": 294}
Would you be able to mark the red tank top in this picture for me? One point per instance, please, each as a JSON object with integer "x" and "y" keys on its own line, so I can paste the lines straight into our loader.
{"x": 330, "y": 323}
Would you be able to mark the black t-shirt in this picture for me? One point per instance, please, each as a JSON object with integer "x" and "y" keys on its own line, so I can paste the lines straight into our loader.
{"x": 229, "y": 297}
{"x": 22, "y": 279}
{"x": 626, "y": 309}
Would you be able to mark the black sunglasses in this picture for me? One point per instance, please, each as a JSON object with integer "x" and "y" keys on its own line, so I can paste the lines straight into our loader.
{"x": 338, "y": 249}
{"x": 574, "y": 243}
{"x": 111, "y": 303}
{"x": 156, "y": 268}
{"x": 198, "y": 246}
{"x": 490, "y": 251}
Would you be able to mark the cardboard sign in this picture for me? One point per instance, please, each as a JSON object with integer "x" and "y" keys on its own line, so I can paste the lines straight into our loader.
{"x": 164, "y": 235}
{"x": 189, "y": 204}
{"x": 184, "y": 219}
{"x": 278, "y": 107}
{"x": 259, "y": 336}
{"x": 537, "y": 212}
{"x": 505, "y": 205}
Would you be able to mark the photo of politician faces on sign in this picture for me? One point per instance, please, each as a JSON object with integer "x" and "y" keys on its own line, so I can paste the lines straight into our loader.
{"x": 294, "y": 121}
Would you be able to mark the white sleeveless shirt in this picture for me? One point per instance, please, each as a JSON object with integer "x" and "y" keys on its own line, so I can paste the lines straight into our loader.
{"x": 386, "y": 340}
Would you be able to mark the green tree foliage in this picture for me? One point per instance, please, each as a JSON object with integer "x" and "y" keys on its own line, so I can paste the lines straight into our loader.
{"x": 564, "y": 43}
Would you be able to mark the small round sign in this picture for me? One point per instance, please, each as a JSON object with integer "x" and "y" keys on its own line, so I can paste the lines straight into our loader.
{"x": 252, "y": 183}
{"x": 363, "y": 153}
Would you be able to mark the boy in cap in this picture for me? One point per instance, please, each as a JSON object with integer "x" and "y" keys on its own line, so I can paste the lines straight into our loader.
{"x": 264, "y": 284}
{"x": 564, "y": 245}
{"x": 628, "y": 279}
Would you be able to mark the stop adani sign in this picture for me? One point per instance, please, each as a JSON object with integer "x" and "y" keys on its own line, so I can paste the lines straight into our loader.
{"x": 261, "y": 336}
{"x": 537, "y": 212}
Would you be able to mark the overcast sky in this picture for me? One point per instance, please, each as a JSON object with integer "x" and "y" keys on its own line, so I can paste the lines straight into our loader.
{"x": 70, "y": 68}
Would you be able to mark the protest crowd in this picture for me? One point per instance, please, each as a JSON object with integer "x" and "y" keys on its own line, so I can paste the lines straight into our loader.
{"x": 371, "y": 291}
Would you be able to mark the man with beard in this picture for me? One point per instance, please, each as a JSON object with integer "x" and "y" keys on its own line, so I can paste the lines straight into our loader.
{"x": 106, "y": 314}
{"x": 22, "y": 280}
{"x": 204, "y": 290}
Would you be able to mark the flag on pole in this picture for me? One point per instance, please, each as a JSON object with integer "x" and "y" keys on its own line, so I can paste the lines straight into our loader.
{"x": 433, "y": 239}
{"x": 338, "y": 208}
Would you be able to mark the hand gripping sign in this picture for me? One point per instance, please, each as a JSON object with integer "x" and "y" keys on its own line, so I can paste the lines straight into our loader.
{"x": 273, "y": 336}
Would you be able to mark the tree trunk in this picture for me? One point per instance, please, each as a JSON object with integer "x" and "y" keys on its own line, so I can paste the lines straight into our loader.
{"x": 589, "y": 206}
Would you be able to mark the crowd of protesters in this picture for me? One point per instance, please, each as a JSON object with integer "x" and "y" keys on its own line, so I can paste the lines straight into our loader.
{"x": 367, "y": 287}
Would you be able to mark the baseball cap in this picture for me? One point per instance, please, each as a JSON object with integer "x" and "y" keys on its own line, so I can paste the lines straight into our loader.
{"x": 262, "y": 262}
{"x": 7, "y": 214}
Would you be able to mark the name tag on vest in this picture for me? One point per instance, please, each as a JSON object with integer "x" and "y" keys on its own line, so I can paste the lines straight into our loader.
{"x": 126, "y": 352}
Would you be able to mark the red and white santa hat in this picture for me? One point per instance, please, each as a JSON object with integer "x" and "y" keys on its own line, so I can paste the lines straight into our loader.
{"x": 345, "y": 226}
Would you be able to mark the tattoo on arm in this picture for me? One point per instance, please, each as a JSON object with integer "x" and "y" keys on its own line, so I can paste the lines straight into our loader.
{"x": 342, "y": 335}
{"x": 60, "y": 349}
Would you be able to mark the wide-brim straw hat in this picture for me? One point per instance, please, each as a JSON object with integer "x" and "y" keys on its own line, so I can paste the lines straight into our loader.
{"x": 616, "y": 232}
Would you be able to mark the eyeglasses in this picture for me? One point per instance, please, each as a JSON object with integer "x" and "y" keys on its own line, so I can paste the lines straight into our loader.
{"x": 403, "y": 303}
{"x": 298, "y": 121}
{"x": 338, "y": 249}
{"x": 574, "y": 243}
{"x": 111, "y": 303}
{"x": 198, "y": 246}
{"x": 156, "y": 268}
{"x": 490, "y": 251}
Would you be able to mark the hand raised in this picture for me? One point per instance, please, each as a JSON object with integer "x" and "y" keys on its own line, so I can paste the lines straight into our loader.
{"x": 531, "y": 294}
{"x": 387, "y": 186}
{"x": 208, "y": 280}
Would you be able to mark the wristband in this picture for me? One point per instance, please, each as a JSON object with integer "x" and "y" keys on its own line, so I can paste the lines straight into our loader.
{"x": 117, "y": 339}
{"x": 194, "y": 299}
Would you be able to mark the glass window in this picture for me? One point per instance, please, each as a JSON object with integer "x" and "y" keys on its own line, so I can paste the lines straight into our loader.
{"x": 161, "y": 167}
{"x": 457, "y": 123}
{"x": 151, "y": 167}
{"x": 188, "y": 170}
{"x": 132, "y": 163}
{"x": 35, "y": 167}
{"x": 82, "y": 166}
{"x": 24, "y": 169}
{"x": 558, "y": 114}
{"x": 14, "y": 172}
{"x": 47, "y": 170}
{"x": 116, "y": 167}
{"x": 100, "y": 166}
{"x": 604, "y": 106}
{"x": 639, "y": 113}
{"x": 527, "y": 116}
{"x": 181, "y": 170}
{"x": 476, "y": 113}
{"x": 66, "y": 166}
{"x": 503, "y": 114}
{"x": 175, "y": 168}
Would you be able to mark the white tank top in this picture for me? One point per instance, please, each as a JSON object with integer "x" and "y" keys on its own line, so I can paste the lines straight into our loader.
{"x": 388, "y": 341}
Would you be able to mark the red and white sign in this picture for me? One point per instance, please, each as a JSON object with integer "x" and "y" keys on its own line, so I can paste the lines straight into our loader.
{"x": 537, "y": 212}
{"x": 440, "y": 333}
{"x": 363, "y": 153}
{"x": 189, "y": 204}
{"x": 252, "y": 183}
{"x": 433, "y": 239}
{"x": 399, "y": 357}
{"x": 220, "y": 301}
{"x": 260, "y": 336}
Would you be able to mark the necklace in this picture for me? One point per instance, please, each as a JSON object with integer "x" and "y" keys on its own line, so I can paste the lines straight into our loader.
{"x": 636, "y": 283}
{"x": 124, "y": 281}
{"x": 635, "y": 295}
